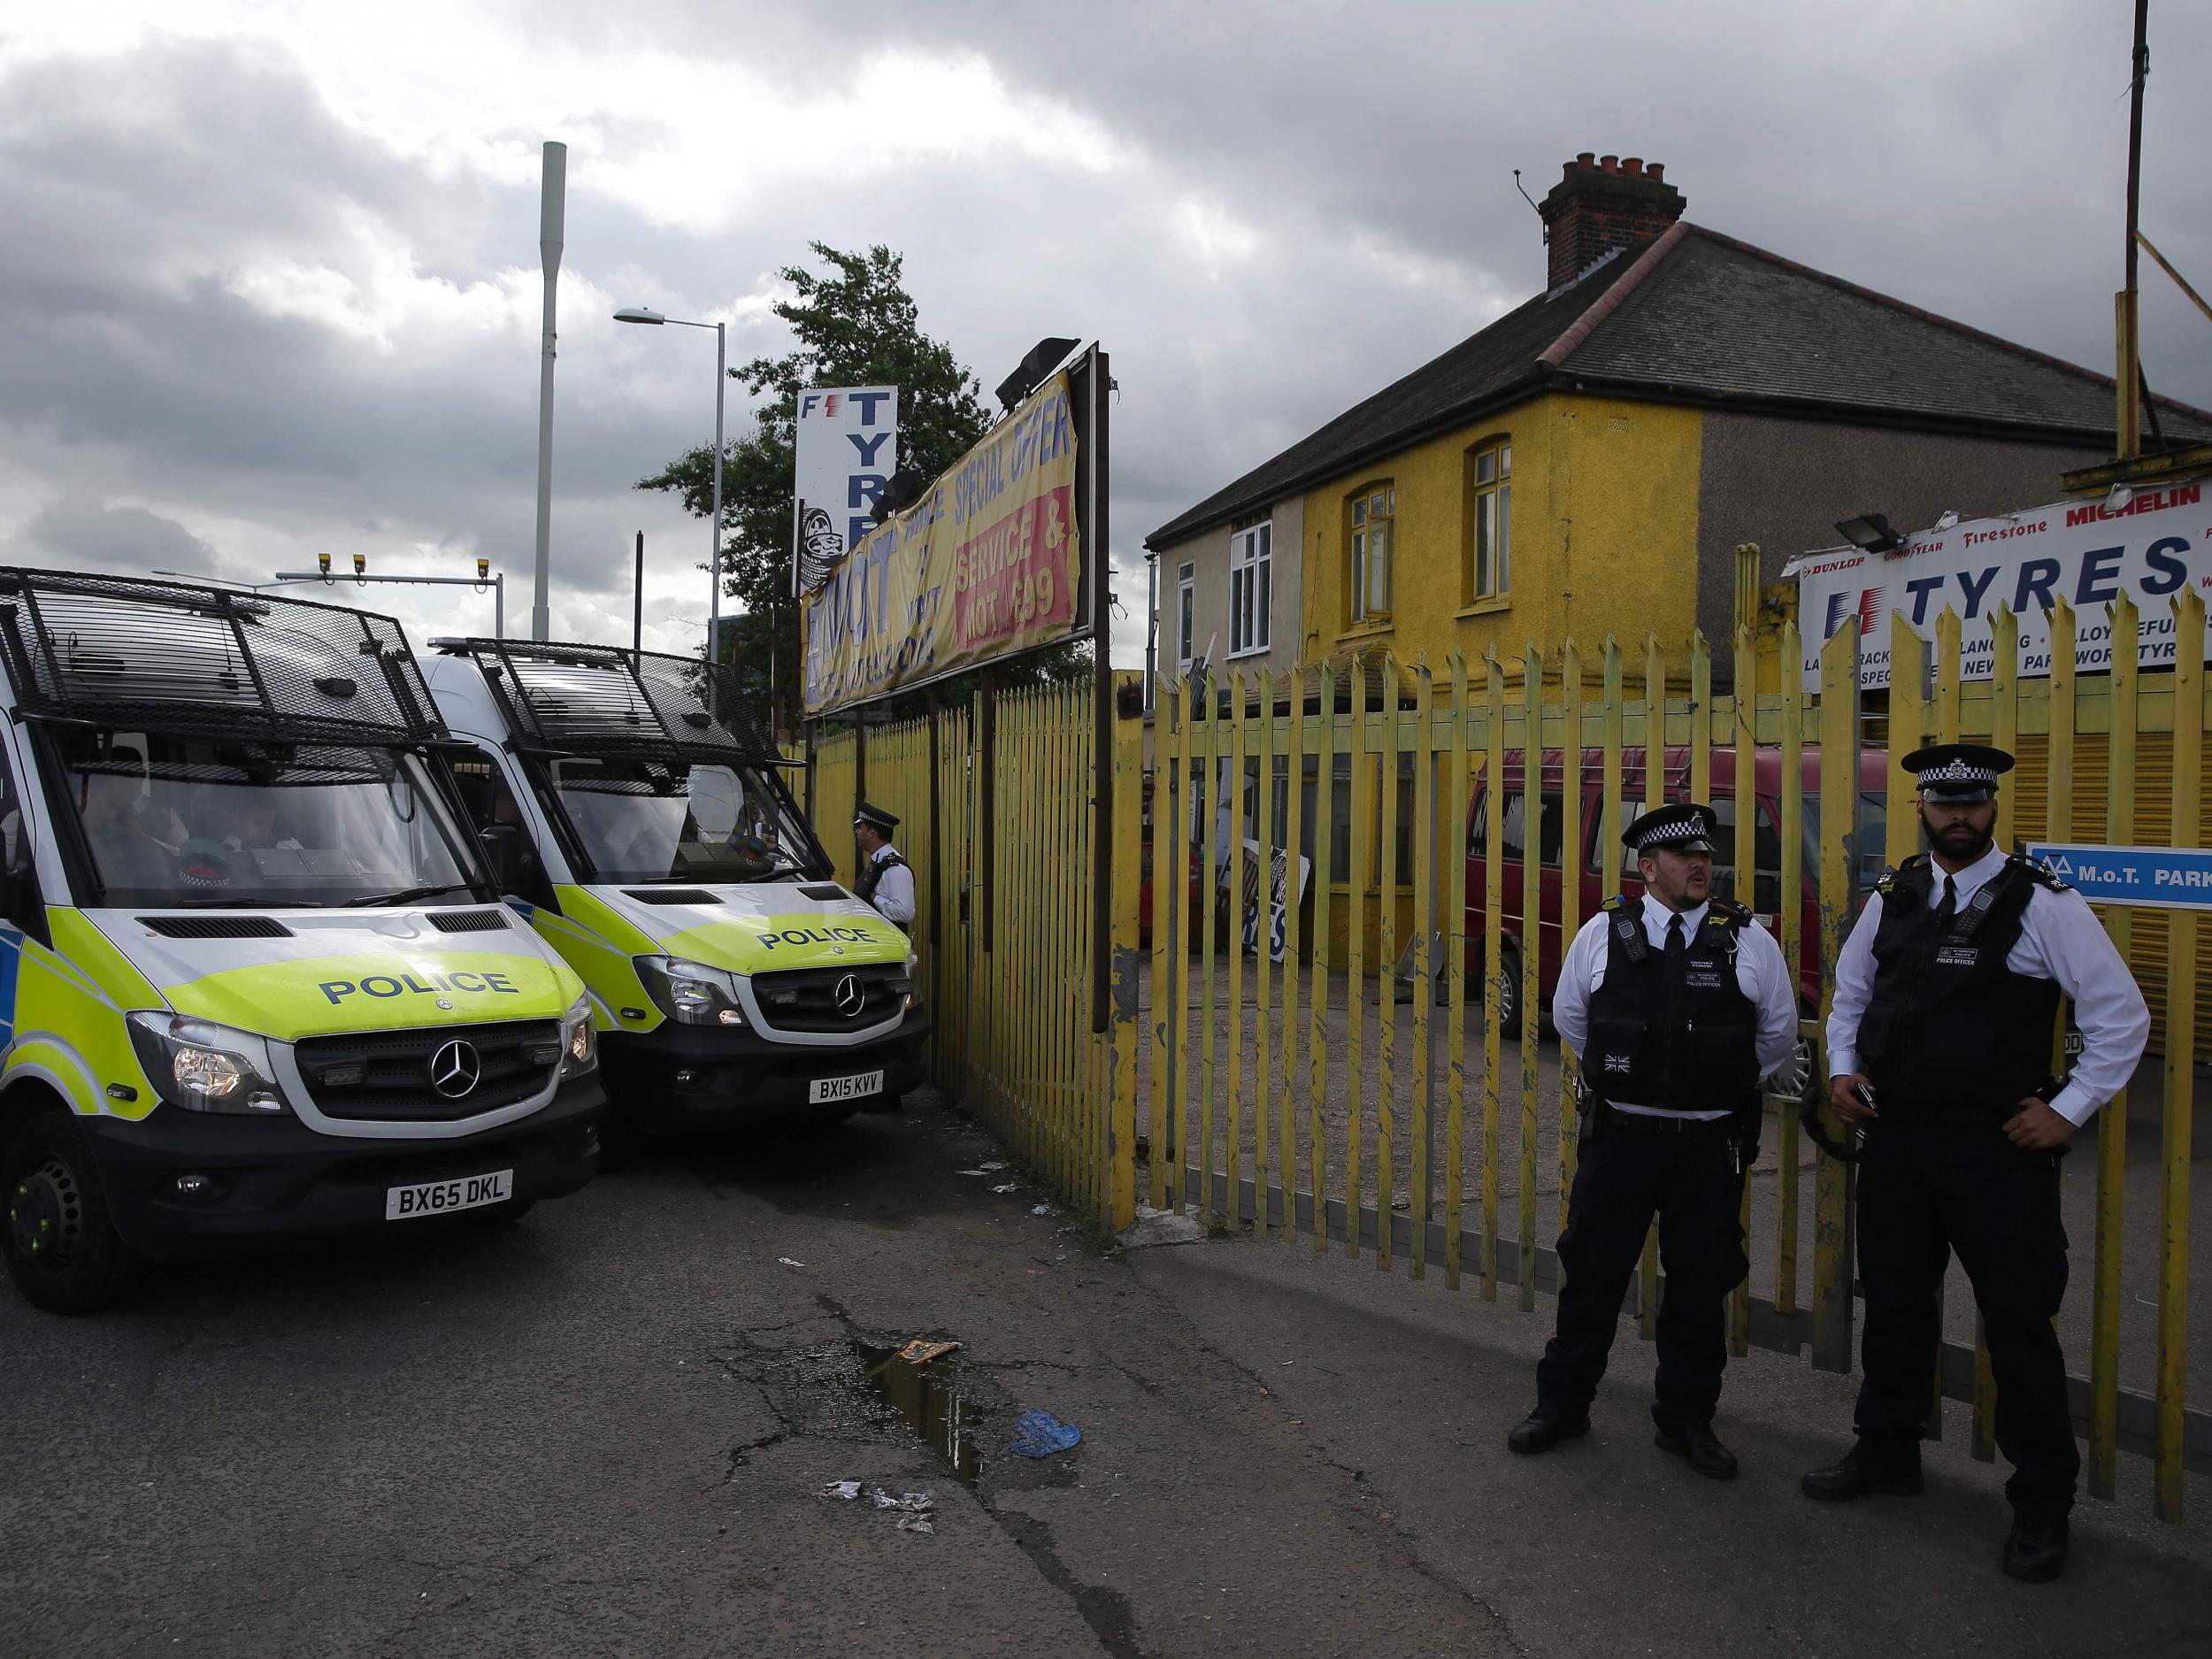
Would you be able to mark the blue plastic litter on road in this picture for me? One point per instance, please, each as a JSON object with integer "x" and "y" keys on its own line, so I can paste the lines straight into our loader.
{"x": 1040, "y": 1434}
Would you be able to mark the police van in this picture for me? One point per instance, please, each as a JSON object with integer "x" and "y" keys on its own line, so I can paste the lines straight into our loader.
{"x": 641, "y": 823}
{"x": 256, "y": 981}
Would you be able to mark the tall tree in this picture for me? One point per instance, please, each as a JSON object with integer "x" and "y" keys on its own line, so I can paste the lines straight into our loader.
{"x": 854, "y": 325}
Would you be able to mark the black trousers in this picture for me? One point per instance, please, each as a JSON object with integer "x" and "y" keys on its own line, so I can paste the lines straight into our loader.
{"x": 1925, "y": 1190}
{"x": 1691, "y": 1180}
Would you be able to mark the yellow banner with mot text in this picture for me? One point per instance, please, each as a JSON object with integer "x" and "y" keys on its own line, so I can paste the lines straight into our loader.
{"x": 984, "y": 565}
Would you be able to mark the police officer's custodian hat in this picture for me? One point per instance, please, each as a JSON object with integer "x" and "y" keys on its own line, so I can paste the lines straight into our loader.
{"x": 1958, "y": 771}
{"x": 875, "y": 817}
{"x": 1684, "y": 828}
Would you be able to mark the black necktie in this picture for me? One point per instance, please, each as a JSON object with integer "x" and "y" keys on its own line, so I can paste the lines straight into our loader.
{"x": 1949, "y": 904}
{"x": 1676, "y": 943}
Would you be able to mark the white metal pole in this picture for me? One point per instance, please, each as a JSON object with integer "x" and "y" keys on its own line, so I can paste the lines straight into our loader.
{"x": 551, "y": 214}
{"x": 714, "y": 523}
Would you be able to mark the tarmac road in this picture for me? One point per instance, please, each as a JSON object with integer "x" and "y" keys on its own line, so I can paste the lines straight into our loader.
{"x": 608, "y": 1429}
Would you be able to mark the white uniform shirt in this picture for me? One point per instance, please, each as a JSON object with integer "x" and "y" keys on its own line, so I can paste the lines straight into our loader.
{"x": 2060, "y": 939}
{"x": 894, "y": 894}
{"x": 1760, "y": 971}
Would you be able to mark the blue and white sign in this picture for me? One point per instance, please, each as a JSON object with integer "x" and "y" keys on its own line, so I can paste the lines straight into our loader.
{"x": 2161, "y": 878}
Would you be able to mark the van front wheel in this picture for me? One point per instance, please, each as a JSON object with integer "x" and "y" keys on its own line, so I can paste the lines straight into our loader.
{"x": 60, "y": 1245}
{"x": 1508, "y": 988}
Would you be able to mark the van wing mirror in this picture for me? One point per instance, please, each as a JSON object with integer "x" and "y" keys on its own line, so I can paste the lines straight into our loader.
{"x": 504, "y": 851}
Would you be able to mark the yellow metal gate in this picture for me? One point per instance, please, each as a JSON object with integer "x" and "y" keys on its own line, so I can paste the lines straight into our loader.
{"x": 1365, "y": 1090}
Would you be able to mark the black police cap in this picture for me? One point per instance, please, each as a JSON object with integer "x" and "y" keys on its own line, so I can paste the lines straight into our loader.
{"x": 1958, "y": 771}
{"x": 1683, "y": 827}
{"x": 875, "y": 817}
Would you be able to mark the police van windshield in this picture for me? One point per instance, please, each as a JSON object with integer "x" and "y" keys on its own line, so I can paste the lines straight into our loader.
{"x": 650, "y": 820}
{"x": 192, "y": 821}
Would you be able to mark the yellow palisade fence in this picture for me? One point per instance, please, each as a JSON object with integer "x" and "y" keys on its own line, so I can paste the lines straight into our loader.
{"x": 1442, "y": 831}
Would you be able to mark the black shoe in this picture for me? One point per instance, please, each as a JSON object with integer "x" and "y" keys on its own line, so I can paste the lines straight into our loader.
{"x": 1864, "y": 1469}
{"x": 1544, "y": 1428}
{"x": 2035, "y": 1549}
{"x": 1696, "y": 1442}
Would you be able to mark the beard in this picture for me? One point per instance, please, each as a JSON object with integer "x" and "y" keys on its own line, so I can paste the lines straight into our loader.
{"x": 1963, "y": 843}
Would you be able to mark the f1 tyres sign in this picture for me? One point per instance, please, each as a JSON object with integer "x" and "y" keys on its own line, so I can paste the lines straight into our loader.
{"x": 846, "y": 442}
{"x": 2086, "y": 554}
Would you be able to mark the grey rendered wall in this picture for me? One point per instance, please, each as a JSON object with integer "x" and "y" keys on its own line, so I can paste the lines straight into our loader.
{"x": 1784, "y": 484}
{"x": 1210, "y": 553}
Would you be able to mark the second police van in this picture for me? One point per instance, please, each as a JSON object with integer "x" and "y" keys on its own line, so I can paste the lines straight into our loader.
{"x": 255, "y": 982}
{"x": 649, "y": 836}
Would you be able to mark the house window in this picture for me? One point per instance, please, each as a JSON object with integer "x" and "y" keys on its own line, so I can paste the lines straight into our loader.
{"x": 1490, "y": 512}
{"x": 1186, "y": 613}
{"x": 1251, "y": 570}
{"x": 1373, "y": 512}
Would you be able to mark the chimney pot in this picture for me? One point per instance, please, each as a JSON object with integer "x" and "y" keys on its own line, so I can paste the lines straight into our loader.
{"x": 1602, "y": 206}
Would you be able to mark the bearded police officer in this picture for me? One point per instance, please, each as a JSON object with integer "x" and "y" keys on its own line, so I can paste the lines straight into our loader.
{"x": 887, "y": 881}
{"x": 1939, "y": 1043}
{"x": 1678, "y": 1003}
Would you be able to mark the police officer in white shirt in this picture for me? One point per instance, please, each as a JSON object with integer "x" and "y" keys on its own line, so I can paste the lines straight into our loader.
{"x": 1939, "y": 1043}
{"x": 887, "y": 881}
{"x": 1678, "y": 1003}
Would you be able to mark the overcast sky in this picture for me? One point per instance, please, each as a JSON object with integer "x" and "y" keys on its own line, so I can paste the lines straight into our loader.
{"x": 269, "y": 280}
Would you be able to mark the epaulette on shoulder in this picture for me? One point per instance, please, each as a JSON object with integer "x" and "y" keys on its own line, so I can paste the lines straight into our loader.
{"x": 1887, "y": 882}
{"x": 1614, "y": 902}
{"x": 1895, "y": 872}
{"x": 2040, "y": 872}
{"x": 1733, "y": 914}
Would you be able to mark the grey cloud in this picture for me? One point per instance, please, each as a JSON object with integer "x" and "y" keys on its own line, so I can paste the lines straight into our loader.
{"x": 85, "y": 534}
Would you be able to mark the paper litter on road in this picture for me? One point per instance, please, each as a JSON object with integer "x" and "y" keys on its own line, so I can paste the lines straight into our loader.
{"x": 841, "y": 1489}
{"x": 787, "y": 1262}
{"x": 971, "y": 1171}
{"x": 1041, "y": 1210}
{"x": 993, "y": 1164}
{"x": 922, "y": 1349}
{"x": 915, "y": 1523}
{"x": 1010, "y": 1187}
{"x": 914, "y": 1502}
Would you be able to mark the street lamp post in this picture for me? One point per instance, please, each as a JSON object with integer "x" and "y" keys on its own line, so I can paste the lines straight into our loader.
{"x": 639, "y": 314}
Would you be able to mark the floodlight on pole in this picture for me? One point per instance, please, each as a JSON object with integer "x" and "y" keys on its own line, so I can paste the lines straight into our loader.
{"x": 653, "y": 318}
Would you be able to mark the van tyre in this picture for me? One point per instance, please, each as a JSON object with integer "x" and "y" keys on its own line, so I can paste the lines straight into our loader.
{"x": 60, "y": 1242}
{"x": 1509, "y": 989}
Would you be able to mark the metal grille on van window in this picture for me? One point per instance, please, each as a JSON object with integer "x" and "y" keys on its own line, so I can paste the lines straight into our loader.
{"x": 215, "y": 926}
{"x": 468, "y": 921}
{"x": 670, "y": 895}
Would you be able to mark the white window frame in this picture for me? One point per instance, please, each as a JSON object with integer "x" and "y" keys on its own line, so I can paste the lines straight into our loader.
{"x": 1186, "y": 615}
{"x": 1490, "y": 552}
{"x": 1251, "y": 589}
{"x": 1373, "y": 531}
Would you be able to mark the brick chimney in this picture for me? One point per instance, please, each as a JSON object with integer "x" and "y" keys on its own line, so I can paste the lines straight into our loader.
{"x": 1604, "y": 202}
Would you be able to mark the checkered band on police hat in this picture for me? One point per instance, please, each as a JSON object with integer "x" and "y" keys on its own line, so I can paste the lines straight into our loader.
{"x": 1958, "y": 771}
{"x": 1683, "y": 827}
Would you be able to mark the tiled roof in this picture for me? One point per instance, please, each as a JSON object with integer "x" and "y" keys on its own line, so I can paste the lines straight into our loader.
{"x": 1705, "y": 318}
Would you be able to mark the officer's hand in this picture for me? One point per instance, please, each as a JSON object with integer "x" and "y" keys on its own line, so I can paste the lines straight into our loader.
{"x": 1843, "y": 1095}
{"x": 2036, "y": 1127}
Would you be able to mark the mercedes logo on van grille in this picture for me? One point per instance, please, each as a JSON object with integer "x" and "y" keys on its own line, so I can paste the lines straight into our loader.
{"x": 850, "y": 996}
{"x": 455, "y": 1069}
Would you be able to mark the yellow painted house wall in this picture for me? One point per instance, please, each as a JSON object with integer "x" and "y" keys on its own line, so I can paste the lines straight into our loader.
{"x": 1603, "y": 541}
{"x": 1604, "y": 537}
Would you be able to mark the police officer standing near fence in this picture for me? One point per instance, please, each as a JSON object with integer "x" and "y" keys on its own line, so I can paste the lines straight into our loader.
{"x": 1939, "y": 1043}
{"x": 1678, "y": 1003}
{"x": 887, "y": 881}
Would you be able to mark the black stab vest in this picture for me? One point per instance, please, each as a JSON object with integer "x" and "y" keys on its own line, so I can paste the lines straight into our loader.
{"x": 871, "y": 878}
{"x": 1948, "y": 1025}
{"x": 1676, "y": 1033}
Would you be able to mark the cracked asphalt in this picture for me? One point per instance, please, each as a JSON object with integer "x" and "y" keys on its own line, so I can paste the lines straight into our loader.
{"x": 609, "y": 1430}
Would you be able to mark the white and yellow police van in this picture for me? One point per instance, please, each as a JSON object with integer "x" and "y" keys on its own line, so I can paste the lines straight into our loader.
{"x": 256, "y": 981}
{"x": 655, "y": 846}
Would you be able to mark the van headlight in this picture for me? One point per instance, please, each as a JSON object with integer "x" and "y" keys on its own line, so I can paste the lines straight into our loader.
{"x": 579, "y": 1042}
{"x": 691, "y": 993}
{"x": 910, "y": 986}
{"x": 204, "y": 1067}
